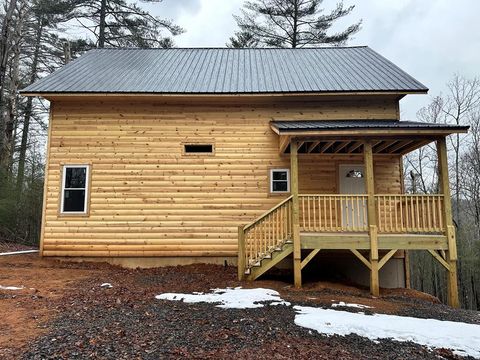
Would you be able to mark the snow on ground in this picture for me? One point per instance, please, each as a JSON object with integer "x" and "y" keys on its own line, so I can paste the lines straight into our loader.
{"x": 230, "y": 298}
{"x": 357, "y": 306}
{"x": 462, "y": 338}
{"x": 11, "y": 288}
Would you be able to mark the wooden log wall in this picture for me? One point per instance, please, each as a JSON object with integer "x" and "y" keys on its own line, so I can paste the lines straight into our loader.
{"x": 147, "y": 198}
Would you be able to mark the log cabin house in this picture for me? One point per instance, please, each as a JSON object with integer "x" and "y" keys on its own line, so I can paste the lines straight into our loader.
{"x": 174, "y": 156}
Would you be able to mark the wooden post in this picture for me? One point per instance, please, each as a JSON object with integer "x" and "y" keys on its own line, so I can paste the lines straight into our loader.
{"x": 297, "y": 252}
{"x": 241, "y": 253}
{"x": 448, "y": 221}
{"x": 372, "y": 217}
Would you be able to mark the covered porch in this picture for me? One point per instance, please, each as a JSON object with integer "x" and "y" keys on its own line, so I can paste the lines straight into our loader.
{"x": 373, "y": 226}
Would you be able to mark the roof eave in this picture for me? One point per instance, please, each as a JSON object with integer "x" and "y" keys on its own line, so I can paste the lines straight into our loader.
{"x": 47, "y": 94}
{"x": 363, "y": 132}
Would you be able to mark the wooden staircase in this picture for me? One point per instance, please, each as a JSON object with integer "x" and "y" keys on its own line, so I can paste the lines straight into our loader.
{"x": 269, "y": 261}
{"x": 266, "y": 241}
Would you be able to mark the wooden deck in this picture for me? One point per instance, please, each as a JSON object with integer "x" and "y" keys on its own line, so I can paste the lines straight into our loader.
{"x": 372, "y": 226}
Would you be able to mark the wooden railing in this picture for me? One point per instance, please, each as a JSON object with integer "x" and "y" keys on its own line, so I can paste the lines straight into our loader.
{"x": 410, "y": 213}
{"x": 333, "y": 213}
{"x": 421, "y": 214}
{"x": 266, "y": 233}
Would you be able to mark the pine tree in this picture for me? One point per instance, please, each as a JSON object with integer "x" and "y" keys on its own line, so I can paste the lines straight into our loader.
{"x": 116, "y": 23}
{"x": 291, "y": 23}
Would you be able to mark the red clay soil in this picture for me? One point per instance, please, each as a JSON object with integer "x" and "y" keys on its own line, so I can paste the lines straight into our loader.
{"x": 62, "y": 312}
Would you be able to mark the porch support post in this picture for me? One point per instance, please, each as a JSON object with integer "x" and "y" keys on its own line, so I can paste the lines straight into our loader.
{"x": 451, "y": 254}
{"x": 297, "y": 254}
{"x": 372, "y": 218}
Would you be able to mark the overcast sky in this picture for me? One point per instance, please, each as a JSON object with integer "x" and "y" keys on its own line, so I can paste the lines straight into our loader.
{"x": 430, "y": 39}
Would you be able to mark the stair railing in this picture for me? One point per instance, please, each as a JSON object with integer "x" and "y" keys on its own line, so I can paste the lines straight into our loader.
{"x": 262, "y": 236}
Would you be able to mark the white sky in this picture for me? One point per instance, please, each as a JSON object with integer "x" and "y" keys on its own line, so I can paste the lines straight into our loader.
{"x": 430, "y": 39}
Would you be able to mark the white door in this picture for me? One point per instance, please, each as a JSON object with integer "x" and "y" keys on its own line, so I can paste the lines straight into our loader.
{"x": 352, "y": 181}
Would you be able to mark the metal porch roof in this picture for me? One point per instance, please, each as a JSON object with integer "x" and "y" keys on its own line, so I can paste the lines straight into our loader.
{"x": 327, "y": 125}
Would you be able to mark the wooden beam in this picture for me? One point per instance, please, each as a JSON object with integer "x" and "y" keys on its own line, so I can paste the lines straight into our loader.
{"x": 385, "y": 145}
{"x": 387, "y": 257}
{"x": 341, "y": 146}
{"x": 452, "y": 285}
{"x": 361, "y": 258}
{"x": 335, "y": 241}
{"x": 361, "y": 241}
{"x": 406, "y": 264}
{"x": 416, "y": 145}
{"x": 297, "y": 252}
{"x": 372, "y": 217}
{"x": 309, "y": 257}
{"x": 283, "y": 143}
{"x": 399, "y": 146}
{"x": 437, "y": 256}
{"x": 241, "y": 262}
{"x": 354, "y": 146}
{"x": 312, "y": 146}
{"x": 326, "y": 146}
{"x": 412, "y": 242}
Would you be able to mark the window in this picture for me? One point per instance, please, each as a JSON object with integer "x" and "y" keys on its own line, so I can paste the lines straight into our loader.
{"x": 198, "y": 148}
{"x": 74, "y": 189}
{"x": 279, "y": 180}
{"x": 354, "y": 174}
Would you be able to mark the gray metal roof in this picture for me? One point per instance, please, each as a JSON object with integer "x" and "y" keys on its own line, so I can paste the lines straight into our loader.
{"x": 228, "y": 71}
{"x": 319, "y": 125}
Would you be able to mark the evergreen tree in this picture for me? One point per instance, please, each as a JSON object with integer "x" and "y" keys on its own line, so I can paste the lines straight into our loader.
{"x": 116, "y": 23}
{"x": 290, "y": 23}
{"x": 243, "y": 39}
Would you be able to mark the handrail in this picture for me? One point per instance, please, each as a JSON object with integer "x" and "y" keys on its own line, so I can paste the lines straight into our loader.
{"x": 395, "y": 213}
{"x": 410, "y": 213}
{"x": 265, "y": 214}
{"x": 333, "y": 212}
{"x": 265, "y": 235}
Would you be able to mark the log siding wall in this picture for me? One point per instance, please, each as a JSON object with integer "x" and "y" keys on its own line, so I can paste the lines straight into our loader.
{"x": 149, "y": 199}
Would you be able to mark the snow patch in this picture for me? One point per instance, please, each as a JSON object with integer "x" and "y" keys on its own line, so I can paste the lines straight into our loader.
{"x": 344, "y": 304}
{"x": 106, "y": 286}
{"x": 230, "y": 298}
{"x": 11, "y": 287}
{"x": 463, "y": 339}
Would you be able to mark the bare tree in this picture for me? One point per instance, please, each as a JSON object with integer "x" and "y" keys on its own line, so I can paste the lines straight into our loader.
{"x": 462, "y": 99}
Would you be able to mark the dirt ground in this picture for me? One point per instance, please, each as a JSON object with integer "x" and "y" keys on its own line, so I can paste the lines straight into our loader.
{"x": 63, "y": 312}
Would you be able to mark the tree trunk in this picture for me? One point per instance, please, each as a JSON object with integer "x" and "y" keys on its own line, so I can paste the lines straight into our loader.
{"x": 10, "y": 113}
{"x": 295, "y": 25}
{"x": 4, "y": 43}
{"x": 28, "y": 108}
{"x": 101, "y": 36}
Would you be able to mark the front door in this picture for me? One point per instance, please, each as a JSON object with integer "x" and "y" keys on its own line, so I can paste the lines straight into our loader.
{"x": 352, "y": 181}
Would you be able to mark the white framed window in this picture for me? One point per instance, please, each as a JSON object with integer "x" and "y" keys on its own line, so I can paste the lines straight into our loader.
{"x": 74, "y": 189}
{"x": 279, "y": 181}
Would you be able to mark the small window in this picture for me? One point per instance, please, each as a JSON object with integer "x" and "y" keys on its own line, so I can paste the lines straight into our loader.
{"x": 198, "y": 148}
{"x": 74, "y": 189}
{"x": 354, "y": 174}
{"x": 279, "y": 180}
